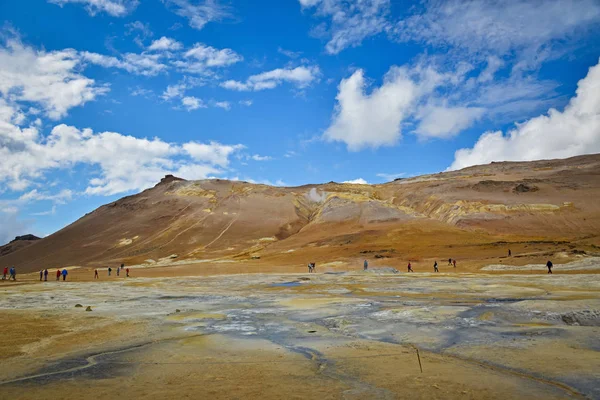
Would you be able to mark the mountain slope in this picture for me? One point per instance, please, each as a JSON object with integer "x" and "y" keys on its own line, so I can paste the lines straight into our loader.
{"x": 552, "y": 200}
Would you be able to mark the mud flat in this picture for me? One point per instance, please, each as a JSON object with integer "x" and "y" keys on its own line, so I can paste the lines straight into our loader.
{"x": 329, "y": 336}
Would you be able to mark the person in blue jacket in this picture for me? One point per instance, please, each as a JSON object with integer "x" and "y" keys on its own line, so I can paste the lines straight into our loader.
{"x": 64, "y": 274}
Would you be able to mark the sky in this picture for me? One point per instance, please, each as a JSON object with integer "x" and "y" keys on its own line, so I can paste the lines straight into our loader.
{"x": 101, "y": 98}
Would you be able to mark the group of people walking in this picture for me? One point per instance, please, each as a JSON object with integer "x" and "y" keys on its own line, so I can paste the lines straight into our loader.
{"x": 9, "y": 274}
{"x": 109, "y": 270}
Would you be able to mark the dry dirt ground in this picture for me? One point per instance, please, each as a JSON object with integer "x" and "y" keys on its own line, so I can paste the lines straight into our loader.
{"x": 340, "y": 333}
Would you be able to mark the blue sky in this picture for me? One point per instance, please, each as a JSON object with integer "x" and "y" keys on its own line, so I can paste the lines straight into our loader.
{"x": 101, "y": 98}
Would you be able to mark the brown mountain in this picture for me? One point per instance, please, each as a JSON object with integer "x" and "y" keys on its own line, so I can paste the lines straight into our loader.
{"x": 461, "y": 212}
{"x": 18, "y": 243}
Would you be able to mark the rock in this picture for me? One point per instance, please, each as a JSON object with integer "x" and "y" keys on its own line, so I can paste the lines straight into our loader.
{"x": 78, "y": 305}
{"x": 88, "y": 308}
{"x": 178, "y": 310}
{"x": 523, "y": 188}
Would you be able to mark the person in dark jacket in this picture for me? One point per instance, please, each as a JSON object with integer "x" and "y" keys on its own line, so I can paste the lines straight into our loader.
{"x": 46, "y": 275}
{"x": 549, "y": 265}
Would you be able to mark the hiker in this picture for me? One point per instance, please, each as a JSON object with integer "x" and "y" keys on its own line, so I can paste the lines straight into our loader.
{"x": 410, "y": 267}
{"x": 435, "y": 267}
{"x": 309, "y": 268}
{"x": 5, "y": 273}
{"x": 122, "y": 266}
{"x": 46, "y": 275}
{"x": 314, "y": 266}
{"x": 454, "y": 263}
{"x": 127, "y": 272}
{"x": 365, "y": 265}
{"x": 64, "y": 274}
{"x": 509, "y": 253}
{"x": 13, "y": 273}
{"x": 41, "y": 274}
{"x": 96, "y": 274}
{"x": 109, "y": 270}
{"x": 118, "y": 269}
{"x": 57, "y": 274}
{"x": 449, "y": 261}
{"x": 549, "y": 265}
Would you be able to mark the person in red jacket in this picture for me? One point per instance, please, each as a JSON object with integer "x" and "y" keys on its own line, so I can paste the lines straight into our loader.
{"x": 57, "y": 274}
{"x": 5, "y": 273}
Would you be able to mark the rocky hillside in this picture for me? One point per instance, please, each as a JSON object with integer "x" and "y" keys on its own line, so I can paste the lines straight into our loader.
{"x": 18, "y": 243}
{"x": 516, "y": 202}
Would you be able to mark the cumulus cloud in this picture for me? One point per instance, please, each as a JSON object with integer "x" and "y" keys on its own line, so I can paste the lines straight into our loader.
{"x": 49, "y": 79}
{"x": 200, "y": 58}
{"x": 301, "y": 77}
{"x": 192, "y": 103}
{"x": 142, "y": 31}
{"x": 372, "y": 120}
{"x": 225, "y": 105}
{"x": 574, "y": 131}
{"x": 213, "y": 152}
{"x": 349, "y": 22}
{"x": 124, "y": 163}
{"x": 147, "y": 64}
{"x": 444, "y": 122}
{"x": 165, "y": 44}
{"x": 116, "y": 8}
{"x": 199, "y": 13}
{"x": 258, "y": 157}
{"x": 359, "y": 181}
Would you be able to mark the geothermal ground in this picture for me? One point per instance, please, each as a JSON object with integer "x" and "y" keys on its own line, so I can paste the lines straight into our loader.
{"x": 341, "y": 334}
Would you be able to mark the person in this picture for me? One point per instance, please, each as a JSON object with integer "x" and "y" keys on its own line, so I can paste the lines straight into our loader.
{"x": 365, "y": 265}
{"x": 13, "y": 273}
{"x": 95, "y": 274}
{"x": 314, "y": 266}
{"x": 449, "y": 261}
{"x": 109, "y": 270}
{"x": 454, "y": 263}
{"x": 549, "y": 265}
{"x": 309, "y": 268}
{"x": 127, "y": 272}
{"x": 64, "y": 274}
{"x": 41, "y": 274}
{"x": 57, "y": 274}
{"x": 410, "y": 267}
{"x": 122, "y": 266}
{"x": 118, "y": 269}
{"x": 46, "y": 275}
{"x": 5, "y": 273}
{"x": 435, "y": 267}
{"x": 509, "y": 253}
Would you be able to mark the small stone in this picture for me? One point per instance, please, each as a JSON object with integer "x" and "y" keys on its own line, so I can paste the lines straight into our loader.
{"x": 178, "y": 310}
{"x": 88, "y": 308}
{"x": 78, "y": 305}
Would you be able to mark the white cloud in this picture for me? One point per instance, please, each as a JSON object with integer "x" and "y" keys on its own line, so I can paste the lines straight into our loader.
{"x": 351, "y": 21}
{"x": 212, "y": 57}
{"x": 444, "y": 122}
{"x": 124, "y": 163}
{"x": 246, "y": 103}
{"x": 359, "y": 181}
{"x": 372, "y": 120}
{"x": 141, "y": 64}
{"x": 116, "y": 8}
{"x": 192, "y": 103}
{"x": 60, "y": 198}
{"x": 199, "y": 12}
{"x": 46, "y": 78}
{"x": 258, "y": 157}
{"x": 498, "y": 27}
{"x": 165, "y": 44}
{"x": 214, "y": 153}
{"x": 143, "y": 32}
{"x": 225, "y": 105}
{"x": 289, "y": 53}
{"x": 52, "y": 211}
{"x": 574, "y": 131}
{"x": 301, "y": 77}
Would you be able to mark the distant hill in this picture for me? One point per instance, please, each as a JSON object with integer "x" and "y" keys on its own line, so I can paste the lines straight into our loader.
{"x": 555, "y": 200}
{"x": 18, "y": 243}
